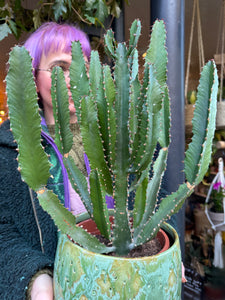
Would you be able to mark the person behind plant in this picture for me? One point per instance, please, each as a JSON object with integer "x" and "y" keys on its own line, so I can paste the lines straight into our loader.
{"x": 28, "y": 236}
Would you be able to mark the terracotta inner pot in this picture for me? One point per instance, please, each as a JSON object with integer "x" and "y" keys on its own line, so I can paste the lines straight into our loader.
{"x": 91, "y": 227}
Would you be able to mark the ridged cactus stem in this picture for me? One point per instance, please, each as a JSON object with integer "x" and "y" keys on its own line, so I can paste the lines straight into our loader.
{"x": 121, "y": 222}
{"x": 59, "y": 94}
{"x": 125, "y": 128}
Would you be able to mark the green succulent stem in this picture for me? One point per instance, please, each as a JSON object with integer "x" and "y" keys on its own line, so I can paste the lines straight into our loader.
{"x": 124, "y": 120}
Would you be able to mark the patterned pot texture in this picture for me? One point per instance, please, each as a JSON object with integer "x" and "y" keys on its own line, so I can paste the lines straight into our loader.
{"x": 81, "y": 274}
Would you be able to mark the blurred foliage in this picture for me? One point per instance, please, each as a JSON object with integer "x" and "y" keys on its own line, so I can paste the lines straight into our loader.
{"x": 16, "y": 18}
{"x": 215, "y": 276}
{"x": 218, "y": 136}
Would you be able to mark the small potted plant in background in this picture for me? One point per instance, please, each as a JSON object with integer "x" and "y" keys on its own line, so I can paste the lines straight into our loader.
{"x": 217, "y": 196}
{"x": 123, "y": 121}
{"x": 215, "y": 200}
{"x": 214, "y": 209}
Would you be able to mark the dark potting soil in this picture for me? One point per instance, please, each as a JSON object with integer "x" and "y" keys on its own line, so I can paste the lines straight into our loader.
{"x": 148, "y": 249}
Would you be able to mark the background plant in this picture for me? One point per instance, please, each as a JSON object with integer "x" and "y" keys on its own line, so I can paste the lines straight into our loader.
{"x": 216, "y": 197}
{"x": 123, "y": 121}
{"x": 16, "y": 18}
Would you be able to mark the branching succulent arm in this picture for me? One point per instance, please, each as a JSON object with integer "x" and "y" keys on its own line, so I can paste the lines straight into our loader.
{"x": 123, "y": 120}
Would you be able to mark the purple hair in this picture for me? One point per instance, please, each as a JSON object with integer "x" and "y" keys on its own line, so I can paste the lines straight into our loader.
{"x": 51, "y": 37}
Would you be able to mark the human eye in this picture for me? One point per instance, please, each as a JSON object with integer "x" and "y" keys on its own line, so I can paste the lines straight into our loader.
{"x": 54, "y": 66}
{"x": 63, "y": 65}
{"x": 64, "y": 68}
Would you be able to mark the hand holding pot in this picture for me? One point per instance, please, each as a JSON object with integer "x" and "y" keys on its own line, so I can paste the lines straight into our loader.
{"x": 42, "y": 288}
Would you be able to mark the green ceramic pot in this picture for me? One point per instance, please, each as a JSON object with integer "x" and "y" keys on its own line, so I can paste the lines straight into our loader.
{"x": 81, "y": 274}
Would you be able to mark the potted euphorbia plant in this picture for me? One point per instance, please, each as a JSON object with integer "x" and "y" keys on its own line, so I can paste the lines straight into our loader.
{"x": 123, "y": 120}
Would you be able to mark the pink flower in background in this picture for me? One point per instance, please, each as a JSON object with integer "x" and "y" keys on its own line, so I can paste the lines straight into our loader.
{"x": 217, "y": 196}
{"x": 217, "y": 186}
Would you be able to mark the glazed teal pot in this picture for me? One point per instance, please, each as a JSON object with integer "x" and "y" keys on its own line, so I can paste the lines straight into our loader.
{"x": 81, "y": 274}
